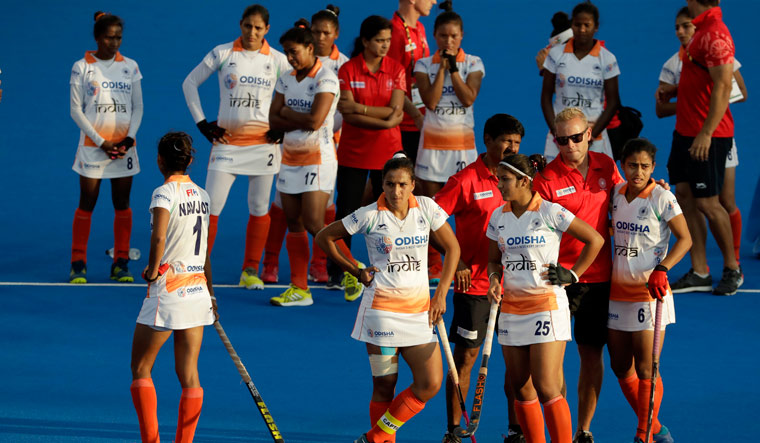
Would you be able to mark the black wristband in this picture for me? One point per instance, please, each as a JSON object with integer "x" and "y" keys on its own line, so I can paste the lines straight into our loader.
{"x": 661, "y": 268}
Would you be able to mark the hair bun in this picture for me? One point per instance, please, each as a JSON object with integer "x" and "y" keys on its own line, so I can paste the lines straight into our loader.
{"x": 447, "y": 5}
{"x": 333, "y": 9}
{"x": 400, "y": 154}
{"x": 302, "y": 23}
{"x": 98, "y": 15}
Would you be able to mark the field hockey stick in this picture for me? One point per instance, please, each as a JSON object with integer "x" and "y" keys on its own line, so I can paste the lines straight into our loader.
{"x": 655, "y": 365}
{"x": 251, "y": 387}
{"x": 480, "y": 388}
{"x": 452, "y": 369}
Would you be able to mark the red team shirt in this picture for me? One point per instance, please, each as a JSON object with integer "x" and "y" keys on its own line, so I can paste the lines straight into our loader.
{"x": 407, "y": 49}
{"x": 710, "y": 46}
{"x": 471, "y": 195}
{"x": 589, "y": 200}
{"x": 361, "y": 147}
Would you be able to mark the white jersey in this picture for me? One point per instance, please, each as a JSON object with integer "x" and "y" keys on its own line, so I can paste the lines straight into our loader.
{"x": 671, "y": 74}
{"x": 580, "y": 83}
{"x": 527, "y": 244}
{"x": 246, "y": 86}
{"x": 333, "y": 62}
{"x": 641, "y": 236}
{"x": 450, "y": 125}
{"x": 399, "y": 248}
{"x": 180, "y": 298}
{"x": 302, "y": 147}
{"x": 106, "y": 95}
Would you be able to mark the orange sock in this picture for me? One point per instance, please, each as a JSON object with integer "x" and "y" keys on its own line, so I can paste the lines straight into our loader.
{"x": 297, "y": 244}
{"x": 736, "y": 229}
{"x": 277, "y": 229}
{"x": 144, "y": 399}
{"x": 630, "y": 388}
{"x": 122, "y": 230}
{"x": 189, "y": 412}
{"x": 213, "y": 223}
{"x": 376, "y": 410}
{"x": 80, "y": 235}
{"x": 531, "y": 420}
{"x": 558, "y": 420}
{"x": 643, "y": 413}
{"x": 343, "y": 248}
{"x": 255, "y": 236}
{"x": 405, "y": 406}
{"x": 318, "y": 257}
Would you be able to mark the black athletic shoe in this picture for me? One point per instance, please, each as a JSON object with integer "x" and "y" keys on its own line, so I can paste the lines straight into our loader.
{"x": 731, "y": 281}
{"x": 514, "y": 438}
{"x": 335, "y": 282}
{"x": 691, "y": 282}
{"x": 583, "y": 437}
{"x": 451, "y": 438}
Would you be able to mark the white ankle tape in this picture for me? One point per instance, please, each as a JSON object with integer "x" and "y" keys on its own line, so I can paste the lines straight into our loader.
{"x": 383, "y": 365}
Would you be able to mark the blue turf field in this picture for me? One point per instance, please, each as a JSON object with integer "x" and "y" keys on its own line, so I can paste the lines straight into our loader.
{"x": 65, "y": 351}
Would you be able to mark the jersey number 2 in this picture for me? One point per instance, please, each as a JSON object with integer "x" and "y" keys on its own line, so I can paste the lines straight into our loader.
{"x": 197, "y": 229}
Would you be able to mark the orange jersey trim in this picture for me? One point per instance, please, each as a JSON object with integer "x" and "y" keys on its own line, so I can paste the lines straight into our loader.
{"x": 237, "y": 45}
{"x": 402, "y": 304}
{"x": 89, "y": 57}
{"x": 594, "y": 51}
{"x": 382, "y": 205}
{"x": 630, "y": 293}
{"x": 460, "y": 56}
{"x": 645, "y": 193}
{"x": 112, "y": 135}
{"x": 534, "y": 205}
{"x": 174, "y": 281}
{"x": 334, "y": 53}
{"x": 301, "y": 157}
{"x": 523, "y": 303}
{"x": 449, "y": 141}
{"x": 313, "y": 72}
{"x": 178, "y": 179}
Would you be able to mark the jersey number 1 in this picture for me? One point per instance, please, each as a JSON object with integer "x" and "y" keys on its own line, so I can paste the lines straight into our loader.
{"x": 197, "y": 229}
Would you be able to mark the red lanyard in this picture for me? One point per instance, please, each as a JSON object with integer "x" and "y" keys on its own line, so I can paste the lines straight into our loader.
{"x": 410, "y": 42}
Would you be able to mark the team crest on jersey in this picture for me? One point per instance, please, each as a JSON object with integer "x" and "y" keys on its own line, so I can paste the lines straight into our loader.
{"x": 93, "y": 88}
{"x": 230, "y": 81}
{"x": 643, "y": 212}
{"x": 602, "y": 183}
{"x": 125, "y": 71}
{"x": 421, "y": 223}
{"x": 535, "y": 224}
{"x": 310, "y": 89}
{"x": 268, "y": 68}
{"x": 384, "y": 245}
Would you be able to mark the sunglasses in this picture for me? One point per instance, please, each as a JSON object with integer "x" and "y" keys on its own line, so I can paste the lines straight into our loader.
{"x": 576, "y": 138}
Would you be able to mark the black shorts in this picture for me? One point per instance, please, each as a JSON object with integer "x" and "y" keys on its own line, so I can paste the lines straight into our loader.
{"x": 589, "y": 305}
{"x": 468, "y": 328}
{"x": 410, "y": 140}
{"x": 705, "y": 178}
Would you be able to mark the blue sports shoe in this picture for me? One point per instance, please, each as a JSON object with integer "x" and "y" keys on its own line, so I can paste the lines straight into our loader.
{"x": 663, "y": 436}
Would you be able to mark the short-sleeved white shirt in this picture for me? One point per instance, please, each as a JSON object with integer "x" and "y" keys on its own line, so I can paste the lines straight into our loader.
{"x": 450, "y": 125}
{"x": 580, "y": 83}
{"x": 246, "y": 85}
{"x": 399, "y": 248}
{"x": 527, "y": 244}
{"x": 641, "y": 236}
{"x": 106, "y": 93}
{"x": 301, "y": 147}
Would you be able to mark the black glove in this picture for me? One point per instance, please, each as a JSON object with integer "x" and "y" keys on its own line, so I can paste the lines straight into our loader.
{"x": 452, "y": 62}
{"x": 127, "y": 143}
{"x": 211, "y": 131}
{"x": 559, "y": 275}
{"x": 275, "y": 136}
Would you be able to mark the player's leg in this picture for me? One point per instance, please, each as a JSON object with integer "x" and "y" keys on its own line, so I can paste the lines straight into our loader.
{"x": 527, "y": 405}
{"x": 218, "y": 186}
{"x": 146, "y": 343}
{"x": 545, "y": 368}
{"x": 642, "y": 342}
{"x": 259, "y": 188}
{"x": 276, "y": 236}
{"x": 297, "y": 245}
{"x": 728, "y": 197}
{"x": 122, "y": 228}
{"x": 620, "y": 348}
{"x": 384, "y": 364}
{"x": 187, "y": 346}
{"x": 88, "y": 196}
{"x": 349, "y": 186}
{"x": 318, "y": 265}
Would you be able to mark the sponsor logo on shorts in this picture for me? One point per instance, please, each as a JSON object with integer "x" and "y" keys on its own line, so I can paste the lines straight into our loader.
{"x": 482, "y": 195}
{"x": 503, "y": 331}
{"x": 85, "y": 165}
{"x": 372, "y": 333}
{"x": 195, "y": 269}
{"x": 223, "y": 158}
{"x": 194, "y": 290}
{"x": 384, "y": 245}
{"x": 613, "y": 316}
{"x": 407, "y": 264}
{"x": 701, "y": 186}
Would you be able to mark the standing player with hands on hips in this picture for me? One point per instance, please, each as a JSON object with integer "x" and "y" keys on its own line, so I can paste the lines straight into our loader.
{"x": 106, "y": 105}
{"x": 643, "y": 216}
{"x": 242, "y": 144}
{"x": 396, "y": 314}
{"x": 180, "y": 296}
{"x": 534, "y": 324}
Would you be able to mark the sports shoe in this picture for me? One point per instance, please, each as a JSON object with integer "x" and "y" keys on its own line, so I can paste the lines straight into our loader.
{"x": 334, "y": 282}
{"x": 250, "y": 280}
{"x": 318, "y": 273}
{"x": 119, "y": 271}
{"x": 514, "y": 437}
{"x": 362, "y": 439}
{"x": 730, "y": 282}
{"x": 434, "y": 275}
{"x": 78, "y": 273}
{"x": 353, "y": 287}
{"x": 450, "y": 437}
{"x": 663, "y": 436}
{"x": 269, "y": 273}
{"x": 691, "y": 282}
{"x": 293, "y": 296}
{"x": 583, "y": 437}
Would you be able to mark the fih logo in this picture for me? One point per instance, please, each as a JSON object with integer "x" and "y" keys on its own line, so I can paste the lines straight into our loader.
{"x": 93, "y": 88}
{"x": 384, "y": 245}
{"x": 230, "y": 81}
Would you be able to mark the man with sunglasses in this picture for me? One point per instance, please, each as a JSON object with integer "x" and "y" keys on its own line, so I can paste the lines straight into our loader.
{"x": 581, "y": 181}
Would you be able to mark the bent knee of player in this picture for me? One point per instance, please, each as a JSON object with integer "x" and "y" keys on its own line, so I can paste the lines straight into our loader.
{"x": 187, "y": 376}
{"x": 384, "y": 387}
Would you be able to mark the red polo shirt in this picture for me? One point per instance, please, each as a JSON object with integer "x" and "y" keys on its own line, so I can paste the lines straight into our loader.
{"x": 710, "y": 46}
{"x": 362, "y": 147}
{"x": 471, "y": 195}
{"x": 589, "y": 200}
{"x": 407, "y": 49}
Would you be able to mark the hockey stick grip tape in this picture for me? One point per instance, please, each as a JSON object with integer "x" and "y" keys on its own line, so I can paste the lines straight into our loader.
{"x": 235, "y": 359}
{"x": 444, "y": 336}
